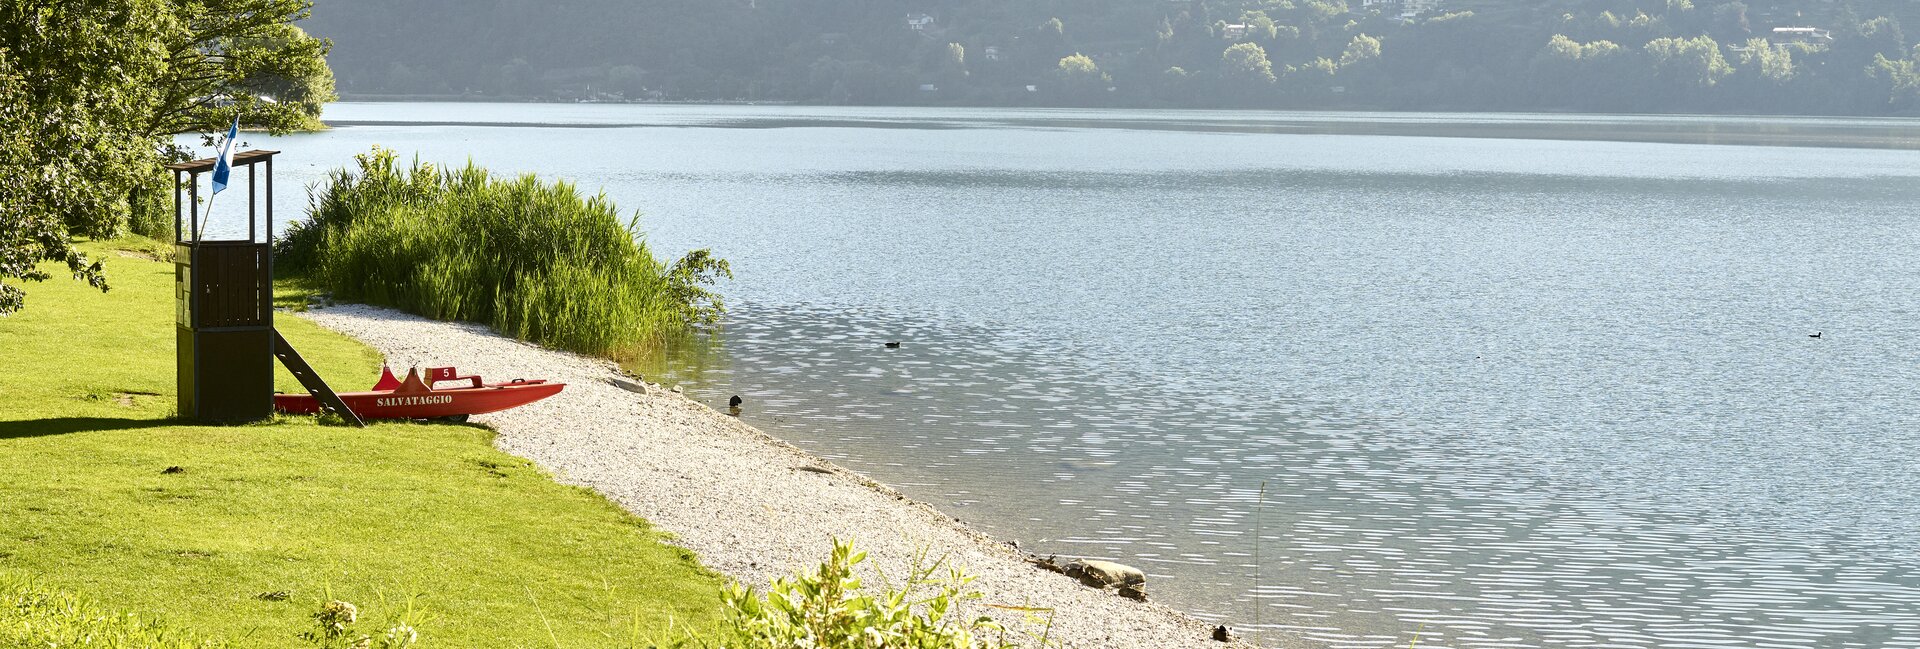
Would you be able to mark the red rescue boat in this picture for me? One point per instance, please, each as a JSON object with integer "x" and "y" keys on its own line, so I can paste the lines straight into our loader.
{"x": 392, "y": 398}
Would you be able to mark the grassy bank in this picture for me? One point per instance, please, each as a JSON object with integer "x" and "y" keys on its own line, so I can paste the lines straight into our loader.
{"x": 532, "y": 259}
{"x": 262, "y": 523}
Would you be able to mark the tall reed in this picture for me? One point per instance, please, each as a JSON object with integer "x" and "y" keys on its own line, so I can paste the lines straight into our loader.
{"x": 533, "y": 259}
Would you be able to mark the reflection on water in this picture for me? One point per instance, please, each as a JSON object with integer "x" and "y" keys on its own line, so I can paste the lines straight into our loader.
{"x": 1365, "y": 524}
{"x": 1546, "y": 385}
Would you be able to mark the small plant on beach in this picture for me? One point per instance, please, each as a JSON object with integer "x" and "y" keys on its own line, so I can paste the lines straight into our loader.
{"x": 535, "y": 260}
{"x": 828, "y": 609}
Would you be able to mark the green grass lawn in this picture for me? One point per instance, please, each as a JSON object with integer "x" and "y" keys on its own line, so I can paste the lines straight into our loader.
{"x": 267, "y": 521}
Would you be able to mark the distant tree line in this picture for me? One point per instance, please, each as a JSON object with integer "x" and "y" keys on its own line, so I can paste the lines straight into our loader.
{"x": 1580, "y": 55}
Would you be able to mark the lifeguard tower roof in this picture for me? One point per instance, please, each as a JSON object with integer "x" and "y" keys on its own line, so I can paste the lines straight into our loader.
{"x": 206, "y": 164}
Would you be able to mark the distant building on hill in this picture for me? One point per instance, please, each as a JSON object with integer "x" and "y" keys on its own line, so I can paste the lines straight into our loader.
{"x": 1408, "y": 9}
{"x": 1234, "y": 32}
{"x": 919, "y": 22}
{"x": 1801, "y": 35}
{"x": 991, "y": 53}
{"x": 1413, "y": 8}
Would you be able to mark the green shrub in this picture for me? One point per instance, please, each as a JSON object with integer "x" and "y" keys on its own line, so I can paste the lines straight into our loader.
{"x": 829, "y": 610}
{"x": 150, "y": 207}
{"x": 533, "y": 259}
{"x": 33, "y": 617}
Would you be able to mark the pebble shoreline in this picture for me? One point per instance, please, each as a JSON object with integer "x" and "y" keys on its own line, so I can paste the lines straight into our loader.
{"x": 750, "y": 506}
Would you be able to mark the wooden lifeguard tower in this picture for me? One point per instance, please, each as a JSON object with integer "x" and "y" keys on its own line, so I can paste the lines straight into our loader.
{"x": 223, "y": 305}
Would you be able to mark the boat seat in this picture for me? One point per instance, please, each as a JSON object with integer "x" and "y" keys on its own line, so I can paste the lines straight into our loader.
{"x": 438, "y": 374}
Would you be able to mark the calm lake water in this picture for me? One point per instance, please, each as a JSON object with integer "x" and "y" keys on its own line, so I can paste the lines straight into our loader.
{"x": 1501, "y": 380}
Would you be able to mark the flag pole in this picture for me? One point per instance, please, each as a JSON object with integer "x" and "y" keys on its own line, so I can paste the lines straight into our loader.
{"x": 223, "y": 165}
{"x": 205, "y": 216}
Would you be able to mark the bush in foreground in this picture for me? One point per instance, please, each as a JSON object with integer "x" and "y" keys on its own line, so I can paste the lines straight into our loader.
{"x": 534, "y": 260}
{"x": 34, "y": 617}
{"x": 828, "y": 609}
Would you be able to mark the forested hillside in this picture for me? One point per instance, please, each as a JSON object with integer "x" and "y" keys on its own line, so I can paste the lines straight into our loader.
{"x": 1600, "y": 55}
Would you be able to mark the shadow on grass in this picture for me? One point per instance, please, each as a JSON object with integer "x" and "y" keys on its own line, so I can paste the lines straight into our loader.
{"x": 66, "y": 425}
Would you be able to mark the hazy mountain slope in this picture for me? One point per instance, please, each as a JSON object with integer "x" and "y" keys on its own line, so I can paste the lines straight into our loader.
{"x": 1273, "y": 53}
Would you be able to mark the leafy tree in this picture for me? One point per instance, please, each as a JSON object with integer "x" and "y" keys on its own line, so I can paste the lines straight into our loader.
{"x": 1362, "y": 48}
{"x": 1079, "y": 67}
{"x": 1882, "y": 34}
{"x": 1080, "y": 78}
{"x": 1561, "y": 49}
{"x": 1730, "y": 19}
{"x": 1248, "y": 62}
{"x": 1175, "y": 85}
{"x": 1766, "y": 61}
{"x": 1901, "y": 80}
{"x": 1051, "y": 38}
{"x": 1688, "y": 62}
{"x": 1260, "y": 26}
{"x": 89, "y": 92}
{"x": 1567, "y": 72}
{"x": 1321, "y": 11}
{"x": 1856, "y": 51}
{"x": 1317, "y": 74}
{"x": 244, "y": 57}
{"x": 78, "y": 81}
{"x": 949, "y": 66}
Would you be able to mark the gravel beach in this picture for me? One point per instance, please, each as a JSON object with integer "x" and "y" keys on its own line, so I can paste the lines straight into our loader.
{"x": 753, "y": 507}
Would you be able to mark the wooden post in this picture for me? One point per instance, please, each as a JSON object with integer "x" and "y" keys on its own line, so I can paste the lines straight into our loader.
{"x": 269, "y": 236}
{"x": 193, "y": 194}
{"x": 269, "y": 208}
{"x": 176, "y": 206}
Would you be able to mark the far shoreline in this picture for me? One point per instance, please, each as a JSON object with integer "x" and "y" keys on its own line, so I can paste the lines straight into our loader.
{"x": 1798, "y": 131}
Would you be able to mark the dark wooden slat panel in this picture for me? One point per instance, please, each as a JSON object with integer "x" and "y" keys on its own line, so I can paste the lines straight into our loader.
{"x": 231, "y": 282}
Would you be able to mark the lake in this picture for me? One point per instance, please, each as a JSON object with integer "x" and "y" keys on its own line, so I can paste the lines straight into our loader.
{"x": 1498, "y": 380}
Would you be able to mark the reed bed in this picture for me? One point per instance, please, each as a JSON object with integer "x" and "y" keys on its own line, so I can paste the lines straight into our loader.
{"x": 535, "y": 260}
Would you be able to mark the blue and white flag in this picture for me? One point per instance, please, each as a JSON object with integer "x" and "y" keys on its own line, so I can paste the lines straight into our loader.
{"x": 224, "y": 166}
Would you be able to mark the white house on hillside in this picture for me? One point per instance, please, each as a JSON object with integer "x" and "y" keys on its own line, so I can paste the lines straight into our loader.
{"x": 1409, "y": 9}
{"x": 1801, "y": 35}
{"x": 919, "y": 22}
